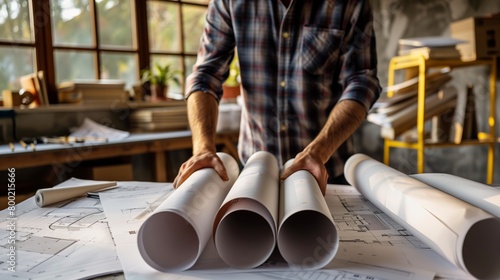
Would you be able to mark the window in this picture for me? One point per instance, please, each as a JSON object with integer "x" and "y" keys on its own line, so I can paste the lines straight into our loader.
{"x": 91, "y": 39}
{"x": 174, "y": 33}
{"x": 17, "y": 48}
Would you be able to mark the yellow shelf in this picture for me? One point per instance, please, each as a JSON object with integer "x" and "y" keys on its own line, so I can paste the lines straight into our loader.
{"x": 422, "y": 65}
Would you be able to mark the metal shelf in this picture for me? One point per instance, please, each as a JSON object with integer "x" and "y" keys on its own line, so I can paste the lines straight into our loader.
{"x": 422, "y": 65}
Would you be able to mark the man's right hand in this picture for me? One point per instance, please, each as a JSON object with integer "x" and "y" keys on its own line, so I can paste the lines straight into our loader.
{"x": 200, "y": 161}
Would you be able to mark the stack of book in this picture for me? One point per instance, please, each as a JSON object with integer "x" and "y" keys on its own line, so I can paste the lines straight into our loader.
{"x": 172, "y": 116}
{"x": 33, "y": 85}
{"x": 398, "y": 114}
{"x": 92, "y": 91}
{"x": 431, "y": 47}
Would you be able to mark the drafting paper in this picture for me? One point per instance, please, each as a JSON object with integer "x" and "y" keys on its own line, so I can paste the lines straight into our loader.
{"x": 477, "y": 194}
{"x": 174, "y": 236}
{"x": 44, "y": 197}
{"x": 307, "y": 237}
{"x": 122, "y": 210}
{"x": 67, "y": 240}
{"x": 90, "y": 128}
{"x": 369, "y": 236}
{"x": 460, "y": 232}
{"x": 245, "y": 225}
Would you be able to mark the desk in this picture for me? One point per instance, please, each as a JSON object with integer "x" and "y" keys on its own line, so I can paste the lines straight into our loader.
{"x": 135, "y": 144}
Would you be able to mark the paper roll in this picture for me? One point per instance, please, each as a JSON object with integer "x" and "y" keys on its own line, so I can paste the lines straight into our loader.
{"x": 245, "y": 225}
{"x": 176, "y": 233}
{"x": 465, "y": 235}
{"x": 307, "y": 236}
{"x": 477, "y": 194}
{"x": 44, "y": 197}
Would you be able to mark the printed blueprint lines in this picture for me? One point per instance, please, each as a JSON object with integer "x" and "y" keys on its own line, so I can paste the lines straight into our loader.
{"x": 81, "y": 218}
{"x": 45, "y": 245}
{"x": 360, "y": 222}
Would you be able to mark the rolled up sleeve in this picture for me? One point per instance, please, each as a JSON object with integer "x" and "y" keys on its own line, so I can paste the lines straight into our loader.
{"x": 359, "y": 70}
{"x": 215, "y": 52}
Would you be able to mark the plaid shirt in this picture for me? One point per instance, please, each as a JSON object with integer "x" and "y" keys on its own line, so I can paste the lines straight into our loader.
{"x": 296, "y": 64}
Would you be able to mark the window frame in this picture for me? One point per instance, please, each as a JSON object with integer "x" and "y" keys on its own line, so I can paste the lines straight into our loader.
{"x": 44, "y": 47}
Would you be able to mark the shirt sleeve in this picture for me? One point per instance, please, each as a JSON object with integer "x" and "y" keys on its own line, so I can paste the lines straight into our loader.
{"x": 215, "y": 52}
{"x": 359, "y": 69}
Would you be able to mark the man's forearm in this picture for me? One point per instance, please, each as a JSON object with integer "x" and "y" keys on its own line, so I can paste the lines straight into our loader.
{"x": 202, "y": 115}
{"x": 344, "y": 119}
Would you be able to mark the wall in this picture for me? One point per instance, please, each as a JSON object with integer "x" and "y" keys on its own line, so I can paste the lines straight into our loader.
{"x": 395, "y": 19}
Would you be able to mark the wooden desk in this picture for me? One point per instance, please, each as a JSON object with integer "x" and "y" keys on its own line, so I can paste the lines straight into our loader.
{"x": 135, "y": 144}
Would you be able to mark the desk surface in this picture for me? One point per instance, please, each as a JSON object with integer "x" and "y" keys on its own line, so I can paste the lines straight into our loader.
{"x": 134, "y": 144}
{"x": 157, "y": 143}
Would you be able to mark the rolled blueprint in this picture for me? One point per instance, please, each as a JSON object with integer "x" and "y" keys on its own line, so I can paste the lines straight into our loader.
{"x": 477, "y": 194}
{"x": 176, "y": 233}
{"x": 44, "y": 197}
{"x": 464, "y": 234}
{"x": 245, "y": 225}
{"x": 307, "y": 236}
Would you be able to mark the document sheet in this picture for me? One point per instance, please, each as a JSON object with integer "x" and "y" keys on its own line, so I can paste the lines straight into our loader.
{"x": 462, "y": 233}
{"x": 363, "y": 253}
{"x": 65, "y": 240}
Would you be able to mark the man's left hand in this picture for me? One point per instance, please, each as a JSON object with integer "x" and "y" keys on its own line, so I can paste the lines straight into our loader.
{"x": 307, "y": 161}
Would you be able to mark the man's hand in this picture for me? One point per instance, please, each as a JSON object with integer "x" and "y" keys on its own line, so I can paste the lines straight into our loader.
{"x": 307, "y": 161}
{"x": 200, "y": 161}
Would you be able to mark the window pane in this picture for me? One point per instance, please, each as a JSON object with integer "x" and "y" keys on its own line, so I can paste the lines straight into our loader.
{"x": 71, "y": 23}
{"x": 188, "y": 64}
{"x": 174, "y": 90}
{"x": 115, "y": 24}
{"x": 72, "y": 65}
{"x": 193, "y": 22}
{"x": 119, "y": 66}
{"x": 15, "y": 20}
{"x": 163, "y": 26}
{"x": 14, "y": 63}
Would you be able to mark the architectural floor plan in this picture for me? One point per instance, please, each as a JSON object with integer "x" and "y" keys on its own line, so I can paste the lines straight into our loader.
{"x": 68, "y": 233}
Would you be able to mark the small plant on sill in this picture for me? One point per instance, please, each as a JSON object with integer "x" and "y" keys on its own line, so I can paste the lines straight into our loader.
{"x": 159, "y": 78}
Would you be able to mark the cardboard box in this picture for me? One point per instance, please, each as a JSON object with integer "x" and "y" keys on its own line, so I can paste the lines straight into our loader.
{"x": 482, "y": 35}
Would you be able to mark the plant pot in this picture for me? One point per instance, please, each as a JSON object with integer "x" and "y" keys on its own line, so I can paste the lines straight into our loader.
{"x": 230, "y": 92}
{"x": 159, "y": 92}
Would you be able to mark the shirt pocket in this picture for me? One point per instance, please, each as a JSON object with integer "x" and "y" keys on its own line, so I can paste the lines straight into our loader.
{"x": 320, "y": 49}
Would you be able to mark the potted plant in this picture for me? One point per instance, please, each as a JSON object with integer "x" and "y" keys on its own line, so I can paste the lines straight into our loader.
{"x": 159, "y": 78}
{"x": 231, "y": 86}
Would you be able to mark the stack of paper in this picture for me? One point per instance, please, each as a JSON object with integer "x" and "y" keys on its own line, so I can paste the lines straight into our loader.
{"x": 398, "y": 114}
{"x": 431, "y": 47}
{"x": 92, "y": 91}
{"x": 160, "y": 119}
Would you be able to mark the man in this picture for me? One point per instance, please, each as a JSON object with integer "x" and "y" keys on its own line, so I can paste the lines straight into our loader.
{"x": 308, "y": 73}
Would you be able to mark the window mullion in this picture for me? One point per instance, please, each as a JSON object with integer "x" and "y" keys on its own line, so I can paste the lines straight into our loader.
{"x": 44, "y": 51}
{"x": 142, "y": 34}
{"x": 95, "y": 30}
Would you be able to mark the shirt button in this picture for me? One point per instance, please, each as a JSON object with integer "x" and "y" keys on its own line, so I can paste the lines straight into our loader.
{"x": 286, "y": 35}
{"x": 283, "y": 84}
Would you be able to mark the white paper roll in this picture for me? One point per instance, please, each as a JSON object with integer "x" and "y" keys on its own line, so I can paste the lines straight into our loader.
{"x": 477, "y": 194}
{"x": 460, "y": 232}
{"x": 307, "y": 236}
{"x": 245, "y": 225}
{"x": 44, "y": 197}
{"x": 174, "y": 236}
